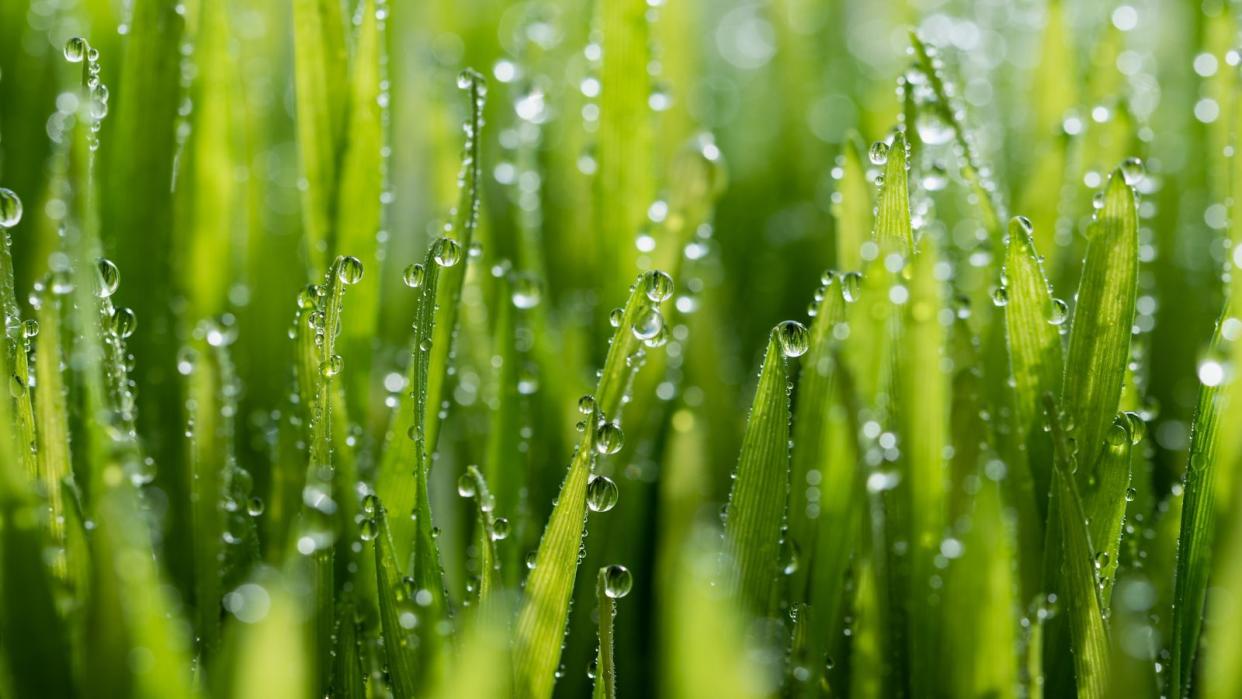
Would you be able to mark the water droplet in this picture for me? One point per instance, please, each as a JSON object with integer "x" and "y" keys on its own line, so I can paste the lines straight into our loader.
{"x": 413, "y": 276}
{"x": 500, "y": 529}
{"x": 10, "y": 208}
{"x": 1000, "y": 296}
{"x": 530, "y": 560}
{"x": 331, "y": 366}
{"x": 446, "y": 252}
{"x": 369, "y": 530}
{"x": 851, "y": 285}
{"x": 349, "y": 271}
{"x": 602, "y": 494}
{"x": 793, "y": 338}
{"x": 371, "y": 504}
{"x": 30, "y": 328}
{"x": 16, "y": 386}
{"x": 123, "y": 322}
{"x": 468, "y": 77}
{"x": 254, "y": 506}
{"x": 107, "y": 278}
{"x": 1117, "y": 436}
{"x": 932, "y": 128}
{"x": 617, "y": 581}
{"x": 878, "y": 153}
{"x": 657, "y": 285}
{"x": 615, "y": 316}
{"x": 527, "y": 291}
{"x": 1138, "y": 428}
{"x": 609, "y": 438}
{"x": 1132, "y": 171}
{"x": 1059, "y": 312}
{"x": 586, "y": 404}
{"x": 1131, "y": 493}
{"x": 649, "y": 324}
{"x": 466, "y": 486}
{"x": 1101, "y": 560}
{"x": 1024, "y": 224}
{"x": 75, "y": 49}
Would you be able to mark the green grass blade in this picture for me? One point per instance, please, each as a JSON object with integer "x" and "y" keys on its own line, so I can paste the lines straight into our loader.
{"x": 489, "y": 530}
{"x": 605, "y": 668}
{"x": 1104, "y": 503}
{"x": 1198, "y": 528}
{"x": 398, "y": 615}
{"x": 549, "y": 587}
{"x": 1099, "y": 344}
{"x": 505, "y": 461}
{"x": 892, "y": 231}
{"x": 757, "y": 502}
{"x": 269, "y": 657}
{"x": 852, "y": 207}
{"x": 320, "y": 63}
{"x": 51, "y": 414}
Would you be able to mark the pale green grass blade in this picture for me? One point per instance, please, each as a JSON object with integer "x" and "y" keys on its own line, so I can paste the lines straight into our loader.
{"x": 1198, "y": 525}
{"x": 465, "y": 221}
{"x": 892, "y": 231}
{"x": 51, "y": 414}
{"x": 398, "y": 615}
{"x": 489, "y": 529}
{"x": 549, "y": 587}
{"x": 757, "y": 502}
{"x": 1104, "y": 503}
{"x": 1076, "y": 571}
{"x": 480, "y": 669}
{"x": 320, "y": 67}
{"x": 270, "y": 658}
{"x": 1099, "y": 344}
{"x": 359, "y": 212}
{"x": 605, "y": 667}
{"x": 623, "y": 182}
{"x": 505, "y": 464}
{"x": 851, "y": 206}
{"x": 348, "y": 677}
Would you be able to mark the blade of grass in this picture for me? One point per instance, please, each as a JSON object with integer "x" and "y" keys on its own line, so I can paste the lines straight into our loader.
{"x": 269, "y": 657}
{"x": 605, "y": 667}
{"x": 755, "y": 515}
{"x": 549, "y": 587}
{"x": 488, "y": 528}
{"x": 503, "y": 466}
{"x": 51, "y": 414}
{"x": 852, "y": 207}
{"x": 396, "y": 610}
{"x": 1104, "y": 503}
{"x": 1099, "y": 344}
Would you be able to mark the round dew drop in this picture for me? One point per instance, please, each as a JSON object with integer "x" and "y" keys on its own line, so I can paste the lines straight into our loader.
{"x": 466, "y": 487}
{"x": 1059, "y": 313}
{"x": 878, "y": 153}
{"x": 609, "y": 438}
{"x": 1132, "y": 171}
{"x": 369, "y": 530}
{"x": 657, "y": 285}
{"x": 1025, "y": 224}
{"x": 500, "y": 529}
{"x": 617, "y": 581}
{"x": 793, "y": 337}
{"x": 349, "y": 271}
{"x": 602, "y": 494}
{"x": 586, "y": 404}
{"x": 648, "y": 325}
{"x": 446, "y": 252}
{"x": 124, "y": 322}
{"x": 414, "y": 275}
{"x": 331, "y": 366}
{"x": 851, "y": 286}
{"x": 75, "y": 49}
{"x": 10, "y": 208}
{"x": 527, "y": 292}
{"x": 107, "y": 278}
{"x": 615, "y": 316}
{"x": 30, "y": 328}
{"x": 1000, "y": 296}
{"x": 254, "y": 507}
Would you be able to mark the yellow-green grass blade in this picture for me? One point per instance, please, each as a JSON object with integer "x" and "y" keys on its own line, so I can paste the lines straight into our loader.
{"x": 757, "y": 502}
{"x": 397, "y": 611}
{"x": 505, "y": 465}
{"x": 1099, "y": 344}
{"x": 605, "y": 668}
{"x": 1104, "y": 502}
{"x": 51, "y": 414}
{"x": 268, "y": 655}
{"x": 489, "y": 529}
{"x": 852, "y": 209}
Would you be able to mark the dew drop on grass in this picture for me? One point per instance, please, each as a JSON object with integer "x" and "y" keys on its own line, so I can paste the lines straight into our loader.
{"x": 878, "y": 153}
{"x": 649, "y": 324}
{"x": 615, "y": 316}
{"x": 657, "y": 285}
{"x": 413, "y": 276}
{"x": 331, "y": 366}
{"x": 107, "y": 278}
{"x": 350, "y": 270}
{"x": 254, "y": 506}
{"x": 1025, "y": 224}
{"x": 371, "y": 504}
{"x": 1117, "y": 436}
{"x": 30, "y": 328}
{"x": 1059, "y": 313}
{"x": 466, "y": 487}
{"x": 1138, "y": 428}
{"x": 1132, "y": 171}
{"x": 369, "y": 530}
{"x": 793, "y": 338}
{"x": 851, "y": 285}
{"x": 10, "y": 208}
{"x": 609, "y": 438}
{"x": 617, "y": 581}
{"x": 76, "y": 49}
{"x": 500, "y": 529}
{"x": 530, "y": 560}
{"x": 446, "y": 252}
{"x": 586, "y": 404}
{"x": 932, "y": 128}
{"x": 527, "y": 291}
{"x": 1101, "y": 560}
{"x": 123, "y": 322}
{"x": 1000, "y": 296}
{"x": 602, "y": 494}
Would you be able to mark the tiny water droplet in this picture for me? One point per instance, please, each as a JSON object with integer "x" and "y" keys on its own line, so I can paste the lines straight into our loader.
{"x": 586, "y": 404}
{"x": 793, "y": 338}
{"x": 609, "y": 438}
{"x": 10, "y": 208}
{"x": 1101, "y": 559}
{"x": 30, "y": 328}
{"x": 1131, "y": 493}
{"x": 75, "y": 49}
{"x": 1059, "y": 312}
{"x": 466, "y": 486}
{"x": 446, "y": 252}
{"x": 617, "y": 581}
{"x": 254, "y": 506}
{"x": 657, "y": 285}
{"x": 602, "y": 494}
{"x": 878, "y": 153}
{"x": 500, "y": 529}
{"x": 107, "y": 278}
{"x": 350, "y": 270}
{"x": 370, "y": 504}
{"x": 615, "y": 316}
{"x": 1000, "y": 296}
{"x": 1024, "y": 224}
{"x": 413, "y": 276}
{"x": 530, "y": 560}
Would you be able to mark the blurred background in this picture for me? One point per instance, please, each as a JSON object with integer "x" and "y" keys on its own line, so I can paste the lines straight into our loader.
{"x": 727, "y": 178}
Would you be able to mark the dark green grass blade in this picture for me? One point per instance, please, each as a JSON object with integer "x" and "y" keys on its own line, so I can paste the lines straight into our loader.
{"x": 549, "y": 587}
{"x": 1099, "y": 345}
{"x": 605, "y": 668}
{"x": 757, "y": 501}
{"x": 397, "y": 612}
{"x": 505, "y": 464}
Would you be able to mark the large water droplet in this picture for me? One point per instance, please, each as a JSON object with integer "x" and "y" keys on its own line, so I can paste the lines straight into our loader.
{"x": 586, "y": 404}
{"x": 602, "y": 494}
{"x": 793, "y": 338}
{"x": 414, "y": 275}
{"x": 851, "y": 286}
{"x": 527, "y": 291}
{"x": 30, "y": 328}
{"x": 369, "y": 530}
{"x": 500, "y": 529}
{"x": 107, "y": 278}
{"x": 123, "y": 322}
{"x": 878, "y": 153}
{"x": 1132, "y": 171}
{"x": 1000, "y": 296}
{"x": 331, "y": 366}
{"x": 10, "y": 208}
{"x": 350, "y": 270}
{"x": 657, "y": 285}
{"x": 75, "y": 49}
{"x": 1058, "y": 313}
{"x": 446, "y": 252}
{"x": 609, "y": 438}
{"x": 649, "y": 324}
{"x": 617, "y": 581}
{"x": 466, "y": 486}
